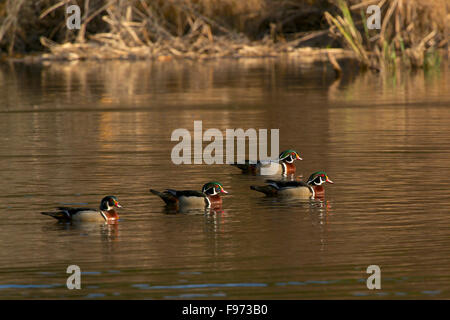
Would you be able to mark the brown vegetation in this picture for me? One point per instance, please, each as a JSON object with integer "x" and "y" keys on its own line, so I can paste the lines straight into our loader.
{"x": 149, "y": 22}
{"x": 164, "y": 29}
{"x": 410, "y": 34}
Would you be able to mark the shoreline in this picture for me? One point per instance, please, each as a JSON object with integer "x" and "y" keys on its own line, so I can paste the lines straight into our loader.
{"x": 338, "y": 59}
{"x": 93, "y": 52}
{"x": 219, "y": 48}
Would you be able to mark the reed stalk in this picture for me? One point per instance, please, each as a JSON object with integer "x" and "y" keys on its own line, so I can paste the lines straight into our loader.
{"x": 410, "y": 35}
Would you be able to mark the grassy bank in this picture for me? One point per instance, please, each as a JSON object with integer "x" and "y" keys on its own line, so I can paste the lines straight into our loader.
{"x": 411, "y": 31}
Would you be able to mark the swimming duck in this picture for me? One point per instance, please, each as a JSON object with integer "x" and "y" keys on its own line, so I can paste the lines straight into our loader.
{"x": 209, "y": 197}
{"x": 313, "y": 188}
{"x": 316, "y": 181}
{"x": 106, "y": 212}
{"x": 285, "y": 165}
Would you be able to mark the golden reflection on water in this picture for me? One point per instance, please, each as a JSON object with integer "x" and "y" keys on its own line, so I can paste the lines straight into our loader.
{"x": 73, "y": 133}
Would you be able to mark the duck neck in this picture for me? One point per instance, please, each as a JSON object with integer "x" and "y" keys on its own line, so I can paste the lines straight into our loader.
{"x": 288, "y": 168}
{"x": 319, "y": 190}
{"x": 215, "y": 200}
{"x": 111, "y": 215}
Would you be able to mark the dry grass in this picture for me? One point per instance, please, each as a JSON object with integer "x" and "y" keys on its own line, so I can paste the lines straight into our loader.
{"x": 11, "y": 12}
{"x": 411, "y": 32}
{"x": 146, "y": 22}
{"x": 163, "y": 29}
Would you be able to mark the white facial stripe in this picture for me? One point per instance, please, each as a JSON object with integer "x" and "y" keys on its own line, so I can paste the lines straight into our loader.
{"x": 318, "y": 183}
{"x": 314, "y": 181}
{"x": 106, "y": 204}
{"x": 214, "y": 191}
{"x": 289, "y": 159}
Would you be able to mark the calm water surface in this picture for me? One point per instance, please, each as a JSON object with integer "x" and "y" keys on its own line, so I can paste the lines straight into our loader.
{"x": 73, "y": 133}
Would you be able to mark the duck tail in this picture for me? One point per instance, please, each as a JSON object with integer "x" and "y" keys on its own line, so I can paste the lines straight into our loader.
{"x": 244, "y": 167}
{"x": 267, "y": 190}
{"x": 167, "y": 197}
{"x": 56, "y": 215}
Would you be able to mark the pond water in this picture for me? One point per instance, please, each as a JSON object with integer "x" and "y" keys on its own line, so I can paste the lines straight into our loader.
{"x": 73, "y": 133}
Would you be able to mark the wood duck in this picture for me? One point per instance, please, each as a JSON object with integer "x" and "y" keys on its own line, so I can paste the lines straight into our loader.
{"x": 317, "y": 181}
{"x": 106, "y": 212}
{"x": 313, "y": 188}
{"x": 209, "y": 197}
{"x": 285, "y": 165}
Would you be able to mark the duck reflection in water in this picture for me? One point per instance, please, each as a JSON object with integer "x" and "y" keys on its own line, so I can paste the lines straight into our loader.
{"x": 108, "y": 231}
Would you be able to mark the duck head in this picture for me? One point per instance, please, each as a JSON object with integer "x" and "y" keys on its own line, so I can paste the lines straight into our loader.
{"x": 213, "y": 188}
{"x": 318, "y": 178}
{"x": 109, "y": 202}
{"x": 289, "y": 156}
